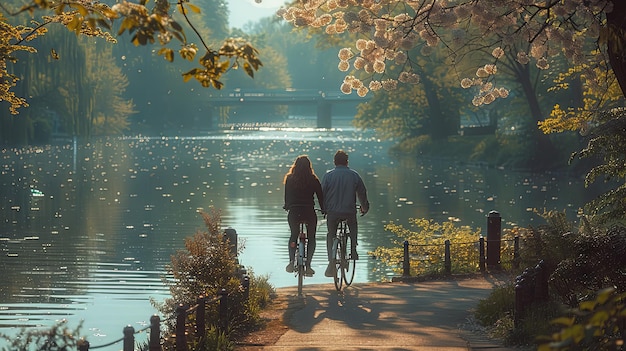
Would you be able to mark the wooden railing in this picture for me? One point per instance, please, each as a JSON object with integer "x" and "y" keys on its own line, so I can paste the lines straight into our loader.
{"x": 489, "y": 250}
{"x": 182, "y": 314}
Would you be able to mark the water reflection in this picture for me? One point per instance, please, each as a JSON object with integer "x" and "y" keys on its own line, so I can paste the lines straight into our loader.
{"x": 88, "y": 227}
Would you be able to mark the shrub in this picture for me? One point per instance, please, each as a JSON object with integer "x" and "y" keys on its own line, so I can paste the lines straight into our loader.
{"x": 582, "y": 263}
{"x": 499, "y": 304}
{"x": 597, "y": 262}
{"x": 214, "y": 340}
{"x": 205, "y": 267}
{"x": 426, "y": 239}
{"x": 497, "y": 313}
{"x": 597, "y": 324}
{"x": 57, "y": 337}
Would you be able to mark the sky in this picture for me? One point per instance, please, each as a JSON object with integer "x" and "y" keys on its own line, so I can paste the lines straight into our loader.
{"x": 244, "y": 11}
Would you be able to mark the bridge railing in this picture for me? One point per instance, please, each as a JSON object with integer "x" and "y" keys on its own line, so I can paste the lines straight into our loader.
{"x": 286, "y": 94}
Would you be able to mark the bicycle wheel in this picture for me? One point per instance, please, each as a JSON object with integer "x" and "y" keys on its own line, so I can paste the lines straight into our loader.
{"x": 337, "y": 248}
{"x": 349, "y": 263}
{"x": 301, "y": 262}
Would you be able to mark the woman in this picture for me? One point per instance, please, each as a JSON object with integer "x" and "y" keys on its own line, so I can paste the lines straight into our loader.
{"x": 301, "y": 185}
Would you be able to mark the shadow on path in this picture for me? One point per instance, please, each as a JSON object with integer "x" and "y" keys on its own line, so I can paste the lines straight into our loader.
{"x": 397, "y": 316}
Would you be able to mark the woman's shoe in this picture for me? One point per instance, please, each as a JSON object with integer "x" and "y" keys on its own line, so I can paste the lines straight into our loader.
{"x": 309, "y": 272}
{"x": 289, "y": 267}
{"x": 330, "y": 271}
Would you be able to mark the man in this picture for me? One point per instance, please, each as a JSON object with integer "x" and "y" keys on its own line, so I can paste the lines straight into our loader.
{"x": 341, "y": 187}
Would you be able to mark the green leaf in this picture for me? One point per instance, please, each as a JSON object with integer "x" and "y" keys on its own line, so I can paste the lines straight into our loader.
{"x": 587, "y": 305}
{"x": 564, "y": 321}
{"x": 176, "y": 26}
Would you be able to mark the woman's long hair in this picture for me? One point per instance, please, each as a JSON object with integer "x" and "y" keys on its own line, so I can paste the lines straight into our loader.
{"x": 301, "y": 172}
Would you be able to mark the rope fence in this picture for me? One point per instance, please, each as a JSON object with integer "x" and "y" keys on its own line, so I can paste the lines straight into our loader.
{"x": 182, "y": 312}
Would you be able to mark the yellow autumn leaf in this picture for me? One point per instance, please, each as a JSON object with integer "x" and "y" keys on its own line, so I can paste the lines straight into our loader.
{"x": 193, "y": 8}
{"x": 74, "y": 24}
{"x": 80, "y": 8}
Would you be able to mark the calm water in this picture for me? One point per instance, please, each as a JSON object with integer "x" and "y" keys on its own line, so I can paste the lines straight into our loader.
{"x": 87, "y": 227}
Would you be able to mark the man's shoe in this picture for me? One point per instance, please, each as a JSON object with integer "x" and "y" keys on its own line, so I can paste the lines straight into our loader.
{"x": 354, "y": 255}
{"x": 289, "y": 267}
{"x": 309, "y": 272}
{"x": 330, "y": 271}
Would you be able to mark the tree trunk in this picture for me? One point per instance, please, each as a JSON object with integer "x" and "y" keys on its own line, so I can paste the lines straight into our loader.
{"x": 543, "y": 150}
{"x": 436, "y": 116}
{"x": 616, "y": 22}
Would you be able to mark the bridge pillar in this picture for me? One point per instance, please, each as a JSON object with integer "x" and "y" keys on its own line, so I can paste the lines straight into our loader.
{"x": 324, "y": 114}
{"x": 209, "y": 117}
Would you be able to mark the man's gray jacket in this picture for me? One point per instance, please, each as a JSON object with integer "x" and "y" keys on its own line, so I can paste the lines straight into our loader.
{"x": 341, "y": 186}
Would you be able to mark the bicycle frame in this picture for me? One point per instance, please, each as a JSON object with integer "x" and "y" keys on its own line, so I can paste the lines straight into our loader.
{"x": 301, "y": 256}
{"x": 344, "y": 270}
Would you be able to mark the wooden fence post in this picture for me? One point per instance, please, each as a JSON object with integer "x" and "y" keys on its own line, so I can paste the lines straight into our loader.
{"x": 181, "y": 319}
{"x": 447, "y": 258}
{"x": 481, "y": 254}
{"x": 201, "y": 317}
{"x": 516, "y": 252}
{"x": 493, "y": 239}
{"x": 129, "y": 338}
{"x": 155, "y": 333}
{"x": 83, "y": 345}
{"x": 406, "y": 264}
{"x": 246, "y": 288}
{"x": 223, "y": 313}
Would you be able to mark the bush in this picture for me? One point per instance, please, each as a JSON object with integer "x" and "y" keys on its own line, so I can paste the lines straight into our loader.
{"x": 58, "y": 337}
{"x": 499, "y": 304}
{"x": 586, "y": 266}
{"x": 205, "y": 267}
{"x": 597, "y": 324}
{"x": 497, "y": 313}
{"x": 426, "y": 239}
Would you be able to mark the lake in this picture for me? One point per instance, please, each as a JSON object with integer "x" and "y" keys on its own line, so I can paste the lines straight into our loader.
{"x": 88, "y": 226}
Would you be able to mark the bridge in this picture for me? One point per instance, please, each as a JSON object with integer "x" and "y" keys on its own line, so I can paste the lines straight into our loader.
{"x": 324, "y": 100}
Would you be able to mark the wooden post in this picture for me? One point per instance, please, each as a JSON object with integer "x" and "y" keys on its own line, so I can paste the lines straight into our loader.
{"x": 223, "y": 313}
{"x": 181, "y": 319}
{"x": 200, "y": 317}
{"x": 493, "y": 240}
{"x": 481, "y": 254}
{"x": 447, "y": 258}
{"x": 406, "y": 263}
{"x": 246, "y": 288}
{"x": 129, "y": 338}
{"x": 230, "y": 235}
{"x": 83, "y": 345}
{"x": 155, "y": 333}
{"x": 541, "y": 283}
{"x": 516, "y": 256}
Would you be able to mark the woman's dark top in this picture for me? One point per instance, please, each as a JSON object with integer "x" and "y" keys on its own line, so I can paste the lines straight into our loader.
{"x": 303, "y": 196}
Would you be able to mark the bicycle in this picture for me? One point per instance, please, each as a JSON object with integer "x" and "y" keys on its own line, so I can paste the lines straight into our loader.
{"x": 301, "y": 256}
{"x": 302, "y": 249}
{"x": 344, "y": 268}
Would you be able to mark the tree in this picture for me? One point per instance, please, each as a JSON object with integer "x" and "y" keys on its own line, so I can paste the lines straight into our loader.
{"x": 529, "y": 32}
{"x": 589, "y": 35}
{"x": 154, "y": 25}
{"x": 392, "y": 28}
